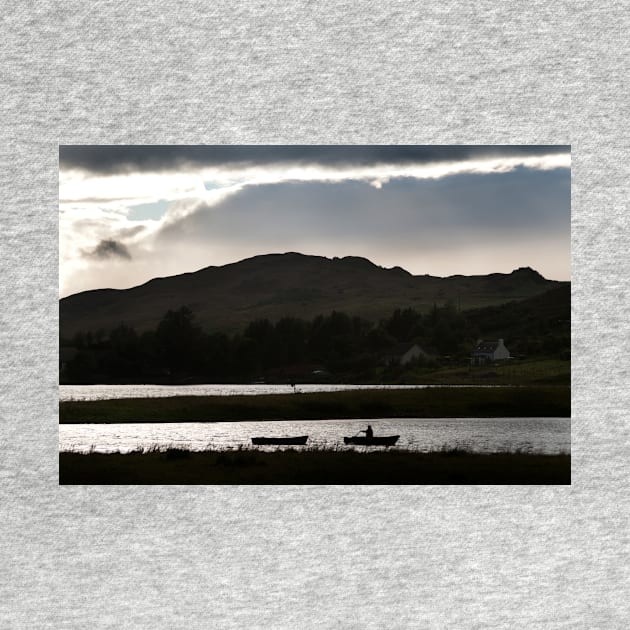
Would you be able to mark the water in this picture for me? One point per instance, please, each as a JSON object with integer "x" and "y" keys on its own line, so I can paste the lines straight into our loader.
{"x": 536, "y": 435}
{"x": 104, "y": 392}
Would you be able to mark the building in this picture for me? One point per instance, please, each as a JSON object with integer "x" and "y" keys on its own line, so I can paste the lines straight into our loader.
{"x": 488, "y": 351}
{"x": 404, "y": 353}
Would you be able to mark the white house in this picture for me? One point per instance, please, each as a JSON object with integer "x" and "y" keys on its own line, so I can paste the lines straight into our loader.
{"x": 405, "y": 353}
{"x": 486, "y": 351}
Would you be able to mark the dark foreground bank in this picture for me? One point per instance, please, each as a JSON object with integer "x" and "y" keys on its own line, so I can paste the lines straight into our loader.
{"x": 439, "y": 402}
{"x": 313, "y": 467}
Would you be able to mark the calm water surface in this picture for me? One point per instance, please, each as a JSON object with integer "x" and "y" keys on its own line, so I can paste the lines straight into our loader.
{"x": 104, "y": 392}
{"x": 536, "y": 435}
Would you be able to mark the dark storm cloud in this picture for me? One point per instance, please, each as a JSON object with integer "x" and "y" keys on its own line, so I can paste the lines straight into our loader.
{"x": 109, "y": 248}
{"x": 110, "y": 159}
{"x": 405, "y": 212}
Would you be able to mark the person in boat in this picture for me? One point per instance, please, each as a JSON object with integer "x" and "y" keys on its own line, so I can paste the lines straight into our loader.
{"x": 369, "y": 434}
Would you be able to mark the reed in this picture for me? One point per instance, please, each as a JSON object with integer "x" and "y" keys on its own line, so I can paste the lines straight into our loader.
{"x": 250, "y": 466}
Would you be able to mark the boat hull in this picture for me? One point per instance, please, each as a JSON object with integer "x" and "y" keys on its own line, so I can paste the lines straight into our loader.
{"x": 386, "y": 440}
{"x": 301, "y": 439}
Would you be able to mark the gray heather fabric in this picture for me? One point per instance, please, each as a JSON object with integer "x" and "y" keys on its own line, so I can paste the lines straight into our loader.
{"x": 314, "y": 557}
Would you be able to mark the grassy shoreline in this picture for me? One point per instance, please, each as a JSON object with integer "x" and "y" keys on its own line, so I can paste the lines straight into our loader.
{"x": 536, "y": 401}
{"x": 321, "y": 467}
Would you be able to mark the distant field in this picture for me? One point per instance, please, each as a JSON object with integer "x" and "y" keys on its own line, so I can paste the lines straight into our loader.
{"x": 530, "y": 372}
{"x": 313, "y": 467}
{"x": 537, "y": 401}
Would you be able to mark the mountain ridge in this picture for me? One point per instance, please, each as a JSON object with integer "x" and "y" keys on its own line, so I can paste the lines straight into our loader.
{"x": 274, "y": 285}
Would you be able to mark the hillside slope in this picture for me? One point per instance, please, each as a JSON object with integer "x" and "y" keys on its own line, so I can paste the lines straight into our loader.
{"x": 275, "y": 285}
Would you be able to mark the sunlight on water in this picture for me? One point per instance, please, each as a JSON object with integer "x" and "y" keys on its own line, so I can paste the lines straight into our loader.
{"x": 536, "y": 435}
{"x": 104, "y": 392}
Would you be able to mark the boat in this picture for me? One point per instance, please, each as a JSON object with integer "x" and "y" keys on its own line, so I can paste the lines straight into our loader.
{"x": 300, "y": 439}
{"x": 385, "y": 440}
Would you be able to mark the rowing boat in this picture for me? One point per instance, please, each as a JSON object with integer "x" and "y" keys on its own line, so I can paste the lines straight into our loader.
{"x": 300, "y": 439}
{"x": 385, "y": 440}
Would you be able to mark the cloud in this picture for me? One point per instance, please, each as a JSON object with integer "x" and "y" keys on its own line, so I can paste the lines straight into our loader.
{"x": 120, "y": 190}
{"x": 133, "y": 230}
{"x": 468, "y": 224}
{"x": 85, "y": 263}
{"x": 110, "y": 160}
{"x": 438, "y": 210}
{"x": 193, "y": 175}
{"x": 400, "y": 210}
{"x": 110, "y": 249}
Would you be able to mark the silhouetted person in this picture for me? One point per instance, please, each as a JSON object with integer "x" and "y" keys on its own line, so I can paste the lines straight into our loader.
{"x": 369, "y": 434}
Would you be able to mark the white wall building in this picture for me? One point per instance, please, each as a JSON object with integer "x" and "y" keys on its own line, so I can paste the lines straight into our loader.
{"x": 405, "y": 353}
{"x": 487, "y": 351}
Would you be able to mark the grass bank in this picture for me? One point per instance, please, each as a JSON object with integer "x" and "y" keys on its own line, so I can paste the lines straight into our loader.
{"x": 313, "y": 467}
{"x": 421, "y": 403}
{"x": 516, "y": 372}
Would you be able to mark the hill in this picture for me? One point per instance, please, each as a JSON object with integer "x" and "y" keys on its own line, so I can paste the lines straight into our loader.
{"x": 271, "y": 286}
{"x": 537, "y": 325}
{"x": 547, "y": 312}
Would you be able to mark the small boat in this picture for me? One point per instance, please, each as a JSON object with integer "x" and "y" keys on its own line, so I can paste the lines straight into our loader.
{"x": 300, "y": 439}
{"x": 385, "y": 440}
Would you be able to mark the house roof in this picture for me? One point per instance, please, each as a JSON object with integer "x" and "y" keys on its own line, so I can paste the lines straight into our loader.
{"x": 401, "y": 348}
{"x": 486, "y": 346}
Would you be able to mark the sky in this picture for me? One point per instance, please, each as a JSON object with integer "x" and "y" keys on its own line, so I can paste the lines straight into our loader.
{"x": 131, "y": 213}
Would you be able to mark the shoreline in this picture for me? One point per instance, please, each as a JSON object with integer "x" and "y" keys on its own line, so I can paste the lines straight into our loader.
{"x": 435, "y": 402}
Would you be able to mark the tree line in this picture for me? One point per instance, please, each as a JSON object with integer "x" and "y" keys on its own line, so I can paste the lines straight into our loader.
{"x": 337, "y": 346}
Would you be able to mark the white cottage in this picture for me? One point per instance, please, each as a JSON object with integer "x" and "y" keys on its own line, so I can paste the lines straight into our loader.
{"x": 487, "y": 351}
{"x": 404, "y": 353}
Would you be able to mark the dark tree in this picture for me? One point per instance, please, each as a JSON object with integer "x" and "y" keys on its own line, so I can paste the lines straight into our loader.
{"x": 179, "y": 340}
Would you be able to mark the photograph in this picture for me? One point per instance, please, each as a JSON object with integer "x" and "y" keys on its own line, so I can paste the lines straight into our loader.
{"x": 315, "y": 314}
